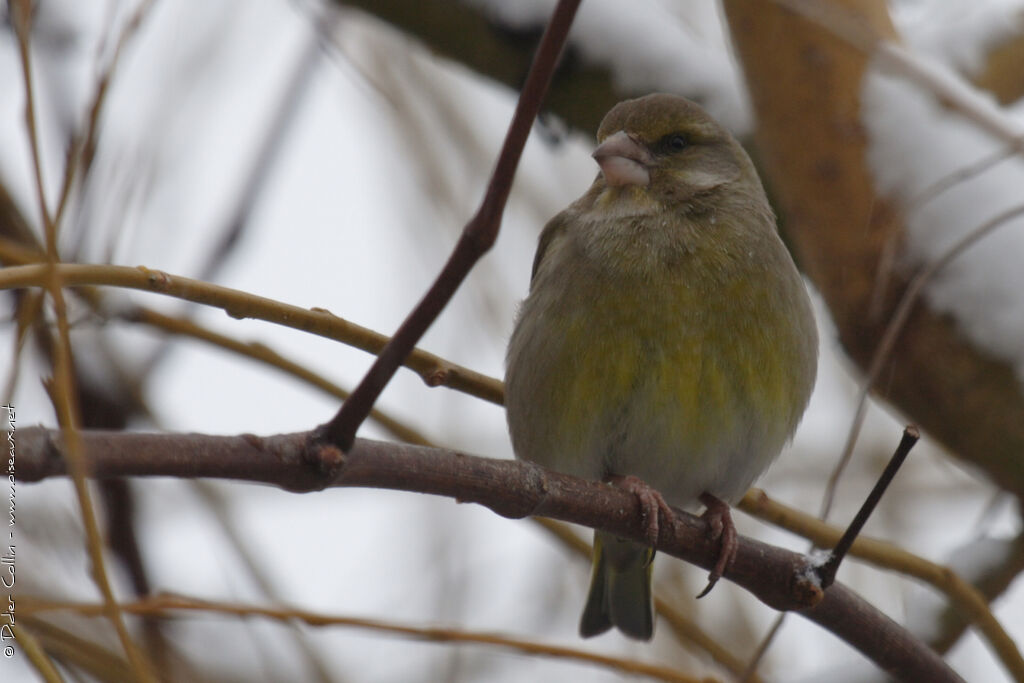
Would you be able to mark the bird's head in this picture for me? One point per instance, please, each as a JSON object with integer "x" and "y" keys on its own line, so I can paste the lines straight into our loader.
{"x": 667, "y": 148}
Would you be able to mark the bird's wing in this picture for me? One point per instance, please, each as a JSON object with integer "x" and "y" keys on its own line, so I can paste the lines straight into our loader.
{"x": 555, "y": 227}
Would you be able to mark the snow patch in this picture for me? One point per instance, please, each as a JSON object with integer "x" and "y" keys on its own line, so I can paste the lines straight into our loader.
{"x": 680, "y": 47}
{"x": 914, "y": 142}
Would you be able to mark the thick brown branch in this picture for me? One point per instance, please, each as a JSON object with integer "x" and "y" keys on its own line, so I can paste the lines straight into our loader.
{"x": 510, "y": 488}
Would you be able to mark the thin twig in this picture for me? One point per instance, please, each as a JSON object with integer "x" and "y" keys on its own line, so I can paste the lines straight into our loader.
{"x": 965, "y": 597}
{"x": 434, "y": 370}
{"x": 81, "y": 149}
{"x": 960, "y": 175}
{"x": 268, "y": 148}
{"x": 891, "y": 334}
{"x": 670, "y": 611}
{"x": 848, "y": 26}
{"x": 80, "y": 656}
{"x": 477, "y": 237}
{"x": 28, "y": 308}
{"x": 890, "y": 249}
{"x": 21, "y": 18}
{"x": 215, "y": 500}
{"x": 749, "y": 674}
{"x": 993, "y": 580}
{"x": 189, "y": 328}
{"x": 827, "y": 572}
{"x": 261, "y": 352}
{"x": 163, "y": 604}
{"x": 37, "y": 655}
{"x": 63, "y": 394}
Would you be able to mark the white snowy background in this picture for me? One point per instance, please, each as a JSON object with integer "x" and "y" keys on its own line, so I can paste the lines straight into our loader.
{"x": 384, "y": 159}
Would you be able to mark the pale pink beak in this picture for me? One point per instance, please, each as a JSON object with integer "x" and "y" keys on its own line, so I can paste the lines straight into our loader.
{"x": 623, "y": 160}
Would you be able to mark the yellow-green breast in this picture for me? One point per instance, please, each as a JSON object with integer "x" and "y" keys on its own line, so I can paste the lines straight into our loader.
{"x": 685, "y": 361}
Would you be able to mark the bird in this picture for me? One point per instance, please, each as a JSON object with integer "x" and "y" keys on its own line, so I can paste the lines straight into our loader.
{"x": 667, "y": 344}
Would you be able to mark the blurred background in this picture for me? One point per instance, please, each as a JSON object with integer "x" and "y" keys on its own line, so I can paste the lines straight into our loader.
{"x": 328, "y": 154}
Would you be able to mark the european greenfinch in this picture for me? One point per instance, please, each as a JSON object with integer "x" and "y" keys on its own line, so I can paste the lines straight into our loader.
{"x": 667, "y": 343}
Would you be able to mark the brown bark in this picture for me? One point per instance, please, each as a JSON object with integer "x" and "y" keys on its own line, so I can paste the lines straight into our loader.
{"x": 779, "y": 578}
{"x": 1003, "y": 73}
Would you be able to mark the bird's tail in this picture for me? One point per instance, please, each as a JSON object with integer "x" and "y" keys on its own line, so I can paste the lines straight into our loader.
{"x": 620, "y": 588}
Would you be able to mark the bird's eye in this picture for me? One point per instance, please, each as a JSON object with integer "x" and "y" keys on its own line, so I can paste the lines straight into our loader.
{"x": 676, "y": 143}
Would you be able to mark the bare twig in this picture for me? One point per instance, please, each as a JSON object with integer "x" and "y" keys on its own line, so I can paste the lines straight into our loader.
{"x": 36, "y": 654}
{"x": 827, "y": 572}
{"x": 78, "y": 655}
{"x": 749, "y": 674}
{"x": 993, "y": 580}
{"x": 268, "y": 148}
{"x": 254, "y": 350}
{"x": 672, "y": 613}
{"x": 967, "y": 599}
{"x": 260, "y": 352}
{"x": 63, "y": 394}
{"x": 216, "y": 503}
{"x": 477, "y": 237}
{"x": 21, "y": 19}
{"x": 165, "y": 605}
{"x": 958, "y": 176}
{"x": 82, "y": 147}
{"x": 892, "y": 331}
{"x": 434, "y": 371}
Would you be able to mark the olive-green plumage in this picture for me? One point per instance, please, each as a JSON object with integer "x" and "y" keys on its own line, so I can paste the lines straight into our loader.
{"x": 667, "y": 334}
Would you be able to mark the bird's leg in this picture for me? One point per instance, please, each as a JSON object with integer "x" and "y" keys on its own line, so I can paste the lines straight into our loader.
{"x": 721, "y": 527}
{"x": 651, "y": 503}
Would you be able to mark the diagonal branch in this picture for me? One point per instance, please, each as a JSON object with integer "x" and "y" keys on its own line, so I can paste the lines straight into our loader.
{"x": 477, "y": 238}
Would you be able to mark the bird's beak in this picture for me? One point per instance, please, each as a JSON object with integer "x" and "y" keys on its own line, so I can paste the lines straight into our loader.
{"x": 624, "y": 160}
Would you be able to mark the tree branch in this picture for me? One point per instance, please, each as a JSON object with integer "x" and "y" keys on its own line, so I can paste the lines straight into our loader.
{"x": 970, "y": 605}
{"x": 513, "y": 489}
{"x": 478, "y": 236}
{"x": 434, "y": 371}
{"x": 170, "y": 606}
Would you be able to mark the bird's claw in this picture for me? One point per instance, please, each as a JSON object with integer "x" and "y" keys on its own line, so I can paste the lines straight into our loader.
{"x": 720, "y": 526}
{"x": 651, "y": 503}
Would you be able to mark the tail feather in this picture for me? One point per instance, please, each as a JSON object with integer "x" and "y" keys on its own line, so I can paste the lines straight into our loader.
{"x": 620, "y": 588}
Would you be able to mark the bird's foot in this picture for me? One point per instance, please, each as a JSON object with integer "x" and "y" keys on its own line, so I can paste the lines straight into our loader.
{"x": 651, "y": 503}
{"x": 720, "y": 526}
